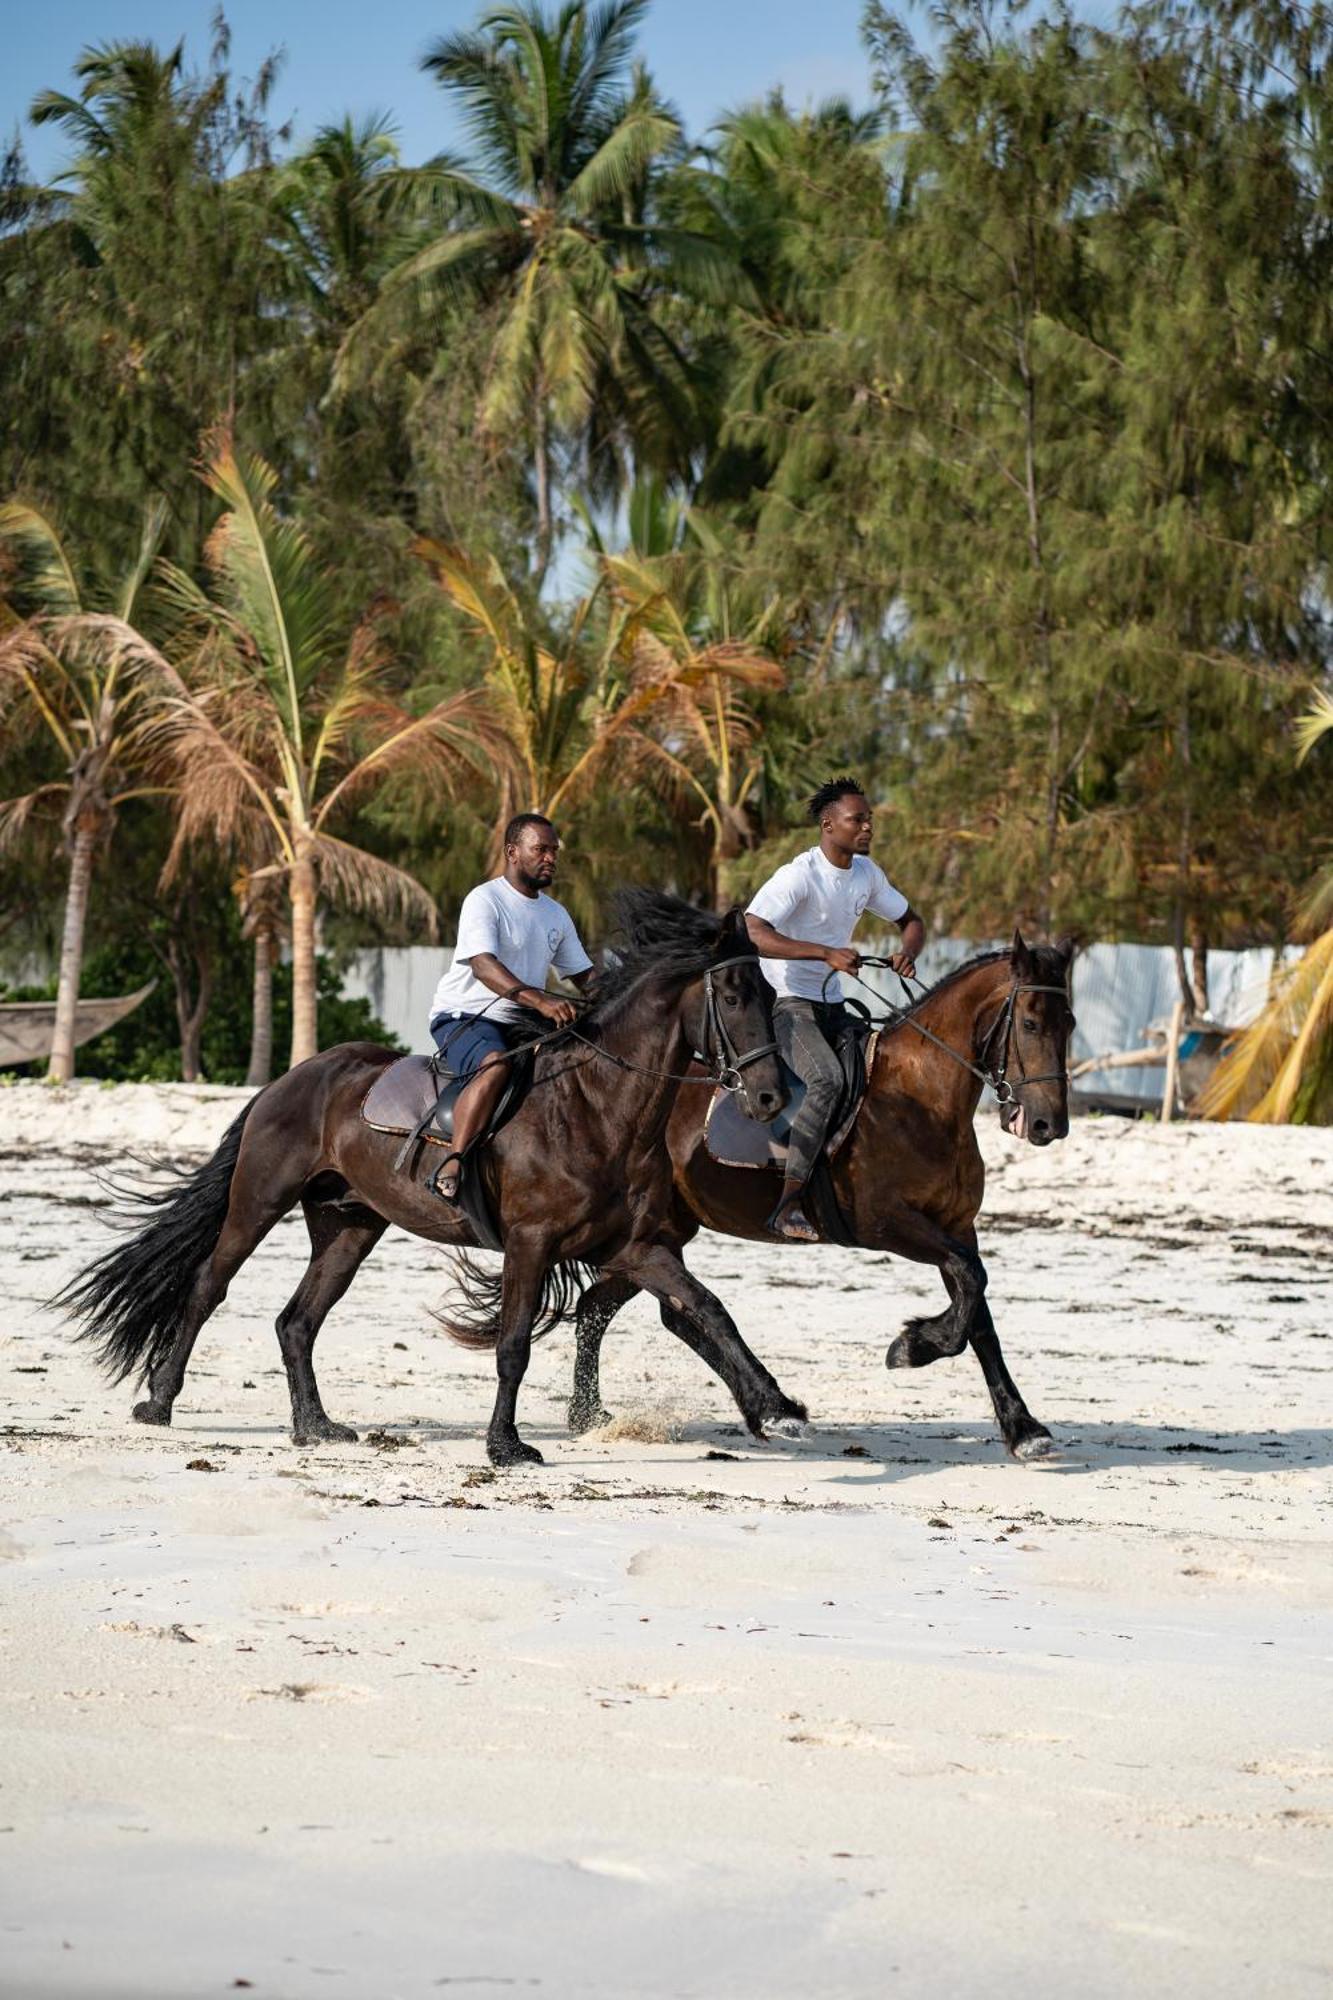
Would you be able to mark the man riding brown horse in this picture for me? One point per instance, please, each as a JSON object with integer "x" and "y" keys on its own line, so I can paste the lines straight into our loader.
{"x": 801, "y": 923}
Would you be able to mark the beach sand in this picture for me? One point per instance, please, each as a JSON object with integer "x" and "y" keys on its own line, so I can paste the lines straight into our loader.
{"x": 681, "y": 1714}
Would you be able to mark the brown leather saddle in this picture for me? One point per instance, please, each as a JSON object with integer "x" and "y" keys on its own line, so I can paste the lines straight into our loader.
{"x": 734, "y": 1140}
{"x": 415, "y": 1097}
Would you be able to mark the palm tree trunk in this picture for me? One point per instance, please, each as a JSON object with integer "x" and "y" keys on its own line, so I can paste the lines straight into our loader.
{"x": 61, "y": 1066}
{"x": 305, "y": 1026}
{"x": 261, "y": 1016}
{"x": 542, "y": 468}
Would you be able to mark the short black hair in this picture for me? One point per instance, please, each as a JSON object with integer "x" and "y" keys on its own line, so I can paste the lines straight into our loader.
{"x": 520, "y": 822}
{"x": 829, "y": 794}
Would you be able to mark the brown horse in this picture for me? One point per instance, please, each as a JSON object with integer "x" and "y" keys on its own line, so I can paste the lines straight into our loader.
{"x": 909, "y": 1178}
{"x": 579, "y": 1178}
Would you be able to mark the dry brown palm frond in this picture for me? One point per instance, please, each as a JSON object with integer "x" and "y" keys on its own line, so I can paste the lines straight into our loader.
{"x": 372, "y": 886}
{"x": 1261, "y": 1074}
{"x": 224, "y": 795}
{"x": 17, "y": 815}
{"x": 457, "y": 738}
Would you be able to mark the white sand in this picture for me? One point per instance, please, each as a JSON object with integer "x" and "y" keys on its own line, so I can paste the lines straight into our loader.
{"x": 878, "y": 1709}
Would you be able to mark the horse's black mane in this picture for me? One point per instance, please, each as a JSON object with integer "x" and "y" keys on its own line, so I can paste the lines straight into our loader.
{"x": 654, "y": 934}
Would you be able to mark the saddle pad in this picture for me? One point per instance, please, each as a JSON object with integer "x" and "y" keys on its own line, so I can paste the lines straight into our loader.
{"x": 734, "y": 1140}
{"x": 402, "y": 1094}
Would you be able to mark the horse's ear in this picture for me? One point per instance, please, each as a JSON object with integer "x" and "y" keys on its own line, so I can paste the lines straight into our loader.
{"x": 1020, "y": 957}
{"x": 735, "y": 926}
{"x": 1065, "y": 946}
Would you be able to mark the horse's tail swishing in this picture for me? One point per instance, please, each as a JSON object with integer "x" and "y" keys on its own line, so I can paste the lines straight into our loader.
{"x": 131, "y": 1300}
{"x": 478, "y": 1322}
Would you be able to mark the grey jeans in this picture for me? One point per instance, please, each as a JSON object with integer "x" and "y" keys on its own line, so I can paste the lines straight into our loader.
{"x": 803, "y": 1029}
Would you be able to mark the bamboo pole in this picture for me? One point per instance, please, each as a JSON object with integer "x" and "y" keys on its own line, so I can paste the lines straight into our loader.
{"x": 1172, "y": 1062}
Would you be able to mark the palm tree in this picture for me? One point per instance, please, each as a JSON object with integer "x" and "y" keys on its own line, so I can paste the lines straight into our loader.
{"x": 279, "y": 722}
{"x": 1280, "y": 1069}
{"x": 647, "y": 678}
{"x": 72, "y": 671}
{"x": 553, "y": 224}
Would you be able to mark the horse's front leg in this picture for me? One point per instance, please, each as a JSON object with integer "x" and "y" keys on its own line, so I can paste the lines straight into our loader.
{"x": 526, "y": 1259}
{"x": 696, "y": 1316}
{"x": 966, "y": 1319}
{"x": 1022, "y": 1434}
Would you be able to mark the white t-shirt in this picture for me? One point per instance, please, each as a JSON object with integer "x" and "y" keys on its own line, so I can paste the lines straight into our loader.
{"x": 812, "y": 900}
{"x": 528, "y": 934}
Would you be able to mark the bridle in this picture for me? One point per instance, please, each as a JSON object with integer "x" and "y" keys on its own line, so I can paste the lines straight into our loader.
{"x": 987, "y": 1069}
{"x": 716, "y": 1037}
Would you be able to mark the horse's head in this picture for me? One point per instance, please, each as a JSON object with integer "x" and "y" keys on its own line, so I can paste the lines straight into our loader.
{"x": 732, "y": 1003}
{"x": 1031, "y": 1047}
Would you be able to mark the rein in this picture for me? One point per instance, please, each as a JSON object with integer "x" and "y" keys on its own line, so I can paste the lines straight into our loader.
{"x": 994, "y": 1074}
{"x": 718, "y": 1046}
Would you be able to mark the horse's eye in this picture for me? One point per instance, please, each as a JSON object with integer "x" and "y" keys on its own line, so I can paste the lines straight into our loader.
{"x": 1029, "y": 1024}
{"x": 732, "y": 1000}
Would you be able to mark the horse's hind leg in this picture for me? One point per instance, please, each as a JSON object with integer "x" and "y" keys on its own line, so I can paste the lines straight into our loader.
{"x": 250, "y": 1216}
{"x": 1022, "y": 1434}
{"x": 340, "y": 1241}
{"x": 597, "y": 1308}
{"x": 525, "y": 1266}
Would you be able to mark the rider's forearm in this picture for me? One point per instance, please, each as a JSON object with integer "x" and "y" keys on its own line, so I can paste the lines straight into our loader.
{"x": 913, "y": 934}
{"x": 497, "y": 978}
{"x": 773, "y": 944}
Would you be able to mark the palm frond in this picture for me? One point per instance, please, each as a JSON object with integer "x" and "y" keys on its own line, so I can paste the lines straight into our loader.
{"x": 644, "y": 133}
{"x": 1316, "y": 722}
{"x": 45, "y": 575}
{"x": 16, "y": 815}
{"x": 373, "y": 887}
{"x": 269, "y": 580}
{"x": 445, "y": 749}
{"x": 1263, "y": 1071}
{"x": 150, "y": 540}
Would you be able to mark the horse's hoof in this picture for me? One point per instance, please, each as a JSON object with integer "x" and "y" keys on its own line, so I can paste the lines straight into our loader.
{"x": 1040, "y": 1445}
{"x": 151, "y": 1413}
{"x": 326, "y": 1433}
{"x": 787, "y": 1427}
{"x": 901, "y": 1353}
{"x": 512, "y": 1451}
{"x": 581, "y": 1419}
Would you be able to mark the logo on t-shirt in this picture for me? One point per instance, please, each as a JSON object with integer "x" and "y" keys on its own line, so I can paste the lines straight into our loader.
{"x": 553, "y": 938}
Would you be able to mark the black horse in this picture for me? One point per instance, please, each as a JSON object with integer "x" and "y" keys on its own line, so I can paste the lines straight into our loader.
{"x": 580, "y": 1180}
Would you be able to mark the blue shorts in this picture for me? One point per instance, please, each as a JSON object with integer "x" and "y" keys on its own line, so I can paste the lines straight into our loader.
{"x": 465, "y": 1040}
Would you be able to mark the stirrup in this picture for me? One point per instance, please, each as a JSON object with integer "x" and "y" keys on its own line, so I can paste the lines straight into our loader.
{"x": 774, "y": 1223}
{"x": 457, "y": 1161}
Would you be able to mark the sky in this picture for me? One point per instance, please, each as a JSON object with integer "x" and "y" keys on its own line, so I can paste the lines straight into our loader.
{"x": 706, "y": 55}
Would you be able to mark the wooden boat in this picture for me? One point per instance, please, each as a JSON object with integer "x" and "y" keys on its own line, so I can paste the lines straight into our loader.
{"x": 27, "y": 1027}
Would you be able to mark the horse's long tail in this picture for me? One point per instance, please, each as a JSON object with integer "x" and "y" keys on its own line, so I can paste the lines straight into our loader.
{"x": 130, "y": 1300}
{"x": 477, "y": 1322}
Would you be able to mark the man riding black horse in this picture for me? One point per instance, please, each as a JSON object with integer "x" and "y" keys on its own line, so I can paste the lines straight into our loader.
{"x": 801, "y": 923}
{"x": 510, "y": 934}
